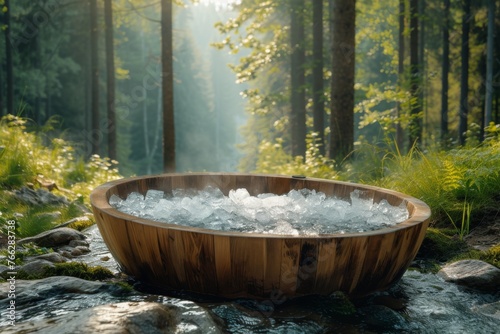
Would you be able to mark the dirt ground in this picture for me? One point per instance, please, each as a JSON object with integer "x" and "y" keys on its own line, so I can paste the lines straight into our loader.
{"x": 486, "y": 234}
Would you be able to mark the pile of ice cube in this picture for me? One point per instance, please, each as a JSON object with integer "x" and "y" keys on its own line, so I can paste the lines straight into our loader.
{"x": 299, "y": 212}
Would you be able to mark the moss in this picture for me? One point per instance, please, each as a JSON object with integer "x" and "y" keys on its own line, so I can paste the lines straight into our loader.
{"x": 491, "y": 256}
{"x": 82, "y": 224}
{"x": 80, "y": 270}
{"x": 439, "y": 245}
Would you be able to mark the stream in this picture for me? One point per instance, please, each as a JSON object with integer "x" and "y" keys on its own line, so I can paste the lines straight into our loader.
{"x": 425, "y": 303}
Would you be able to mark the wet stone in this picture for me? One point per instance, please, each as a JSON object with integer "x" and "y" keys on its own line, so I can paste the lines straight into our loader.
{"x": 51, "y": 257}
{"x": 473, "y": 274}
{"x": 80, "y": 250}
{"x": 36, "y": 267}
{"x": 54, "y": 238}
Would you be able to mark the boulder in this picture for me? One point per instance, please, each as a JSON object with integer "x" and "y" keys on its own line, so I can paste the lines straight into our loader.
{"x": 125, "y": 317}
{"x": 54, "y": 238}
{"x": 36, "y": 267}
{"x": 473, "y": 274}
{"x": 490, "y": 310}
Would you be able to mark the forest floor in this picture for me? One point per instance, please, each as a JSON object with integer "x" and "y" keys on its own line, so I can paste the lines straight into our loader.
{"x": 486, "y": 234}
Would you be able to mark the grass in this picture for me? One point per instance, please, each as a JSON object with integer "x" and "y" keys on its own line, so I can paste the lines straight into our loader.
{"x": 26, "y": 160}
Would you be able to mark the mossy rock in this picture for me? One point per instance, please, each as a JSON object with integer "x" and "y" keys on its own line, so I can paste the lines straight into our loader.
{"x": 80, "y": 270}
{"x": 439, "y": 245}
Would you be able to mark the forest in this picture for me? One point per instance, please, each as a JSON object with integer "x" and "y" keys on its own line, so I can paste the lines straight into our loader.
{"x": 252, "y": 84}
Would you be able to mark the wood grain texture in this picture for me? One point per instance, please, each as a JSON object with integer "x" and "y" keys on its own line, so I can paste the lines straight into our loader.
{"x": 234, "y": 264}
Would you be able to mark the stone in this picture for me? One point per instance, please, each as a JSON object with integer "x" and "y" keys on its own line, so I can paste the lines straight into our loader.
{"x": 125, "y": 317}
{"x": 490, "y": 310}
{"x": 39, "y": 197}
{"x": 54, "y": 238}
{"x": 473, "y": 274}
{"x": 65, "y": 253}
{"x": 48, "y": 215}
{"x": 28, "y": 291}
{"x": 80, "y": 250}
{"x": 52, "y": 257}
{"x": 75, "y": 243}
{"x": 3, "y": 269}
{"x": 36, "y": 267}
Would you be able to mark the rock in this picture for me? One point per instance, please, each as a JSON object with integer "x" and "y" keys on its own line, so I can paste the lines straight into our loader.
{"x": 75, "y": 243}
{"x": 36, "y": 267}
{"x": 52, "y": 257}
{"x": 80, "y": 250}
{"x": 39, "y": 197}
{"x": 54, "y": 238}
{"x": 382, "y": 317}
{"x": 3, "y": 269}
{"x": 472, "y": 273}
{"x": 126, "y": 317}
{"x": 491, "y": 310}
{"x": 65, "y": 253}
{"x": 28, "y": 291}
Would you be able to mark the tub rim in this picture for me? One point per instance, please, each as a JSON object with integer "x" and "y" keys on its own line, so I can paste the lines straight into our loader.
{"x": 99, "y": 199}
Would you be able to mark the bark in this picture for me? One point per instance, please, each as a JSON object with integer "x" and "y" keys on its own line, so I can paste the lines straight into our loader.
{"x": 110, "y": 78}
{"x": 342, "y": 84}
{"x": 464, "y": 78}
{"x": 445, "y": 70}
{"x": 94, "y": 90}
{"x": 489, "y": 64}
{"x": 9, "y": 67}
{"x": 167, "y": 87}
{"x": 298, "y": 99}
{"x": 318, "y": 87}
{"x": 401, "y": 68}
{"x": 415, "y": 126}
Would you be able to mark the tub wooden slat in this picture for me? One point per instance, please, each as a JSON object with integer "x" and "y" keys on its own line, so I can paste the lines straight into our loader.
{"x": 290, "y": 265}
{"x": 222, "y": 251}
{"x": 247, "y": 257}
{"x": 326, "y": 263}
{"x": 233, "y": 264}
{"x": 274, "y": 247}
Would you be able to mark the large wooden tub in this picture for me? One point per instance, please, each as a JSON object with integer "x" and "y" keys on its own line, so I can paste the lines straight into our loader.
{"x": 235, "y": 264}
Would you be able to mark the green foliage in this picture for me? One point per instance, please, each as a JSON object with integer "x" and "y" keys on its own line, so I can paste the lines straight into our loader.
{"x": 458, "y": 184}
{"x": 22, "y": 253}
{"x": 273, "y": 160}
{"x": 24, "y": 158}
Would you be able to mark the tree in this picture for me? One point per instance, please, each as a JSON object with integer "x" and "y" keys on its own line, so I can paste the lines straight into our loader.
{"x": 298, "y": 81}
{"x": 94, "y": 68}
{"x": 110, "y": 78}
{"x": 415, "y": 126}
{"x": 167, "y": 87}
{"x": 464, "y": 77}
{"x": 401, "y": 70}
{"x": 489, "y": 63}
{"x": 318, "y": 87}
{"x": 9, "y": 66}
{"x": 445, "y": 69}
{"x": 342, "y": 84}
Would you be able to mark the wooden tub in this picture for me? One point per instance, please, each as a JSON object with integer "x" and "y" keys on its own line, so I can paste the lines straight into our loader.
{"x": 236, "y": 264}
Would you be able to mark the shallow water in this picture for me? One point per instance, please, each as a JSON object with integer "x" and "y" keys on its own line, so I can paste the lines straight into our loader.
{"x": 427, "y": 305}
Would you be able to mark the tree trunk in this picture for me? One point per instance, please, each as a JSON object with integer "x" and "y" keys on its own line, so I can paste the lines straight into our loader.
{"x": 9, "y": 66}
{"x": 298, "y": 99}
{"x": 167, "y": 87}
{"x": 415, "y": 126}
{"x": 96, "y": 136}
{"x": 445, "y": 70}
{"x": 464, "y": 78}
{"x": 318, "y": 99}
{"x": 489, "y": 64}
{"x": 342, "y": 84}
{"x": 401, "y": 69}
{"x": 110, "y": 78}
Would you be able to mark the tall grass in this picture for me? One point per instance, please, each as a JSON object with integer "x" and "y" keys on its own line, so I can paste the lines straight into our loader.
{"x": 25, "y": 160}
